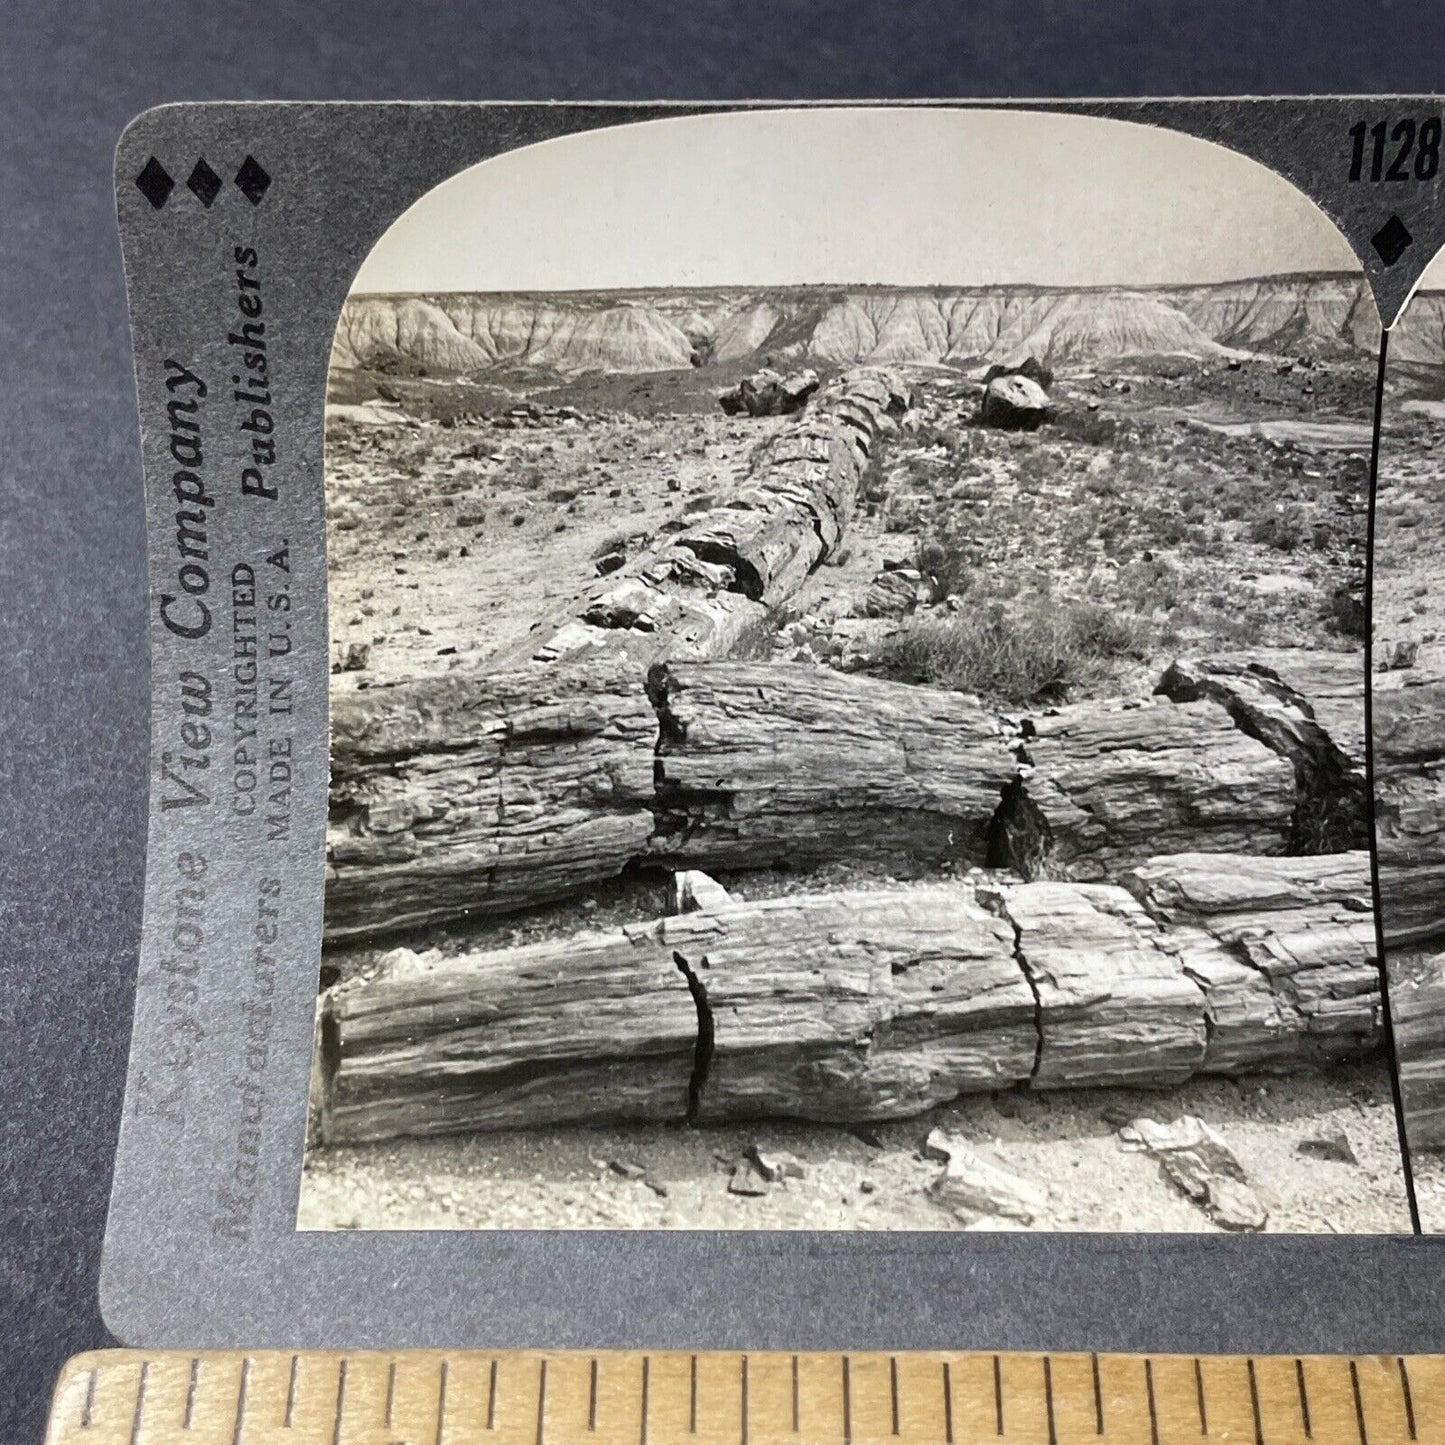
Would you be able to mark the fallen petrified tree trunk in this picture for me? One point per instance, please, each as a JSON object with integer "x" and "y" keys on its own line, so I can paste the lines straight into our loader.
{"x": 1308, "y": 707}
{"x": 1409, "y": 729}
{"x": 455, "y": 794}
{"x": 1107, "y": 782}
{"x": 479, "y": 795}
{"x": 700, "y": 592}
{"x": 866, "y": 1004}
{"x": 1417, "y": 1014}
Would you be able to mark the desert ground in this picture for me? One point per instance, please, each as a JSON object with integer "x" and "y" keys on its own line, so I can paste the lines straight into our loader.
{"x": 1173, "y": 505}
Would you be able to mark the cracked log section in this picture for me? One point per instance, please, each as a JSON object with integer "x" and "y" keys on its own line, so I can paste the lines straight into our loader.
{"x": 868, "y": 1004}
{"x": 1409, "y": 727}
{"x": 738, "y": 562}
{"x": 480, "y": 795}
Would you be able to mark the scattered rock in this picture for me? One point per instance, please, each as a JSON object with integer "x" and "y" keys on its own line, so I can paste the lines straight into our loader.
{"x": 1030, "y": 368}
{"x": 656, "y": 1185}
{"x": 1328, "y": 1143}
{"x": 609, "y": 562}
{"x": 894, "y": 592}
{"x": 1398, "y": 656}
{"x": 356, "y": 657}
{"x": 1201, "y": 1165}
{"x": 693, "y": 891}
{"x": 971, "y": 1185}
{"x": 627, "y": 1170}
{"x": 747, "y": 1181}
{"x": 770, "y": 393}
{"x": 1014, "y": 403}
{"x": 775, "y": 1165}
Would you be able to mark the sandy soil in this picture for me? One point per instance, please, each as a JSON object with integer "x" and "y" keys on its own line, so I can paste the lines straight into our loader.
{"x": 877, "y": 1177}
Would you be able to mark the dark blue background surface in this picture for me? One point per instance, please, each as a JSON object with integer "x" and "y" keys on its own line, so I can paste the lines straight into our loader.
{"x": 73, "y": 669}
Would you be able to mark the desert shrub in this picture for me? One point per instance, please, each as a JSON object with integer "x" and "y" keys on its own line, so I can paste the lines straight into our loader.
{"x": 1040, "y": 652}
{"x": 1092, "y": 428}
{"x": 1348, "y": 614}
{"x": 1285, "y": 529}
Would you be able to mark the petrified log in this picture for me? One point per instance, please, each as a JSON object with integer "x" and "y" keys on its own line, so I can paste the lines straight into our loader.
{"x": 456, "y": 794}
{"x": 761, "y": 763}
{"x": 865, "y": 1004}
{"x": 598, "y": 1029}
{"x": 730, "y": 567}
{"x": 1308, "y": 707}
{"x": 484, "y": 794}
{"x": 860, "y": 1005}
{"x": 1284, "y": 949}
{"x": 1107, "y": 782}
{"x": 1409, "y": 738}
{"x": 851, "y": 1006}
{"x": 1417, "y": 1012}
{"x": 1114, "y": 1008}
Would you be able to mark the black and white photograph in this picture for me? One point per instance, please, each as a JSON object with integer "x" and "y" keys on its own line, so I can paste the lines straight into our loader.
{"x": 848, "y": 654}
{"x": 1409, "y": 723}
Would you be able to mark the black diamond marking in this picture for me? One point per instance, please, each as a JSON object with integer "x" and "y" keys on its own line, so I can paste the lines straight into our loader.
{"x": 155, "y": 183}
{"x": 252, "y": 179}
{"x": 203, "y": 183}
{"x": 1392, "y": 240}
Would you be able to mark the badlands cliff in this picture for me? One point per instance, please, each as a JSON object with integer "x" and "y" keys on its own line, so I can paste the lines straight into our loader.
{"x": 463, "y": 334}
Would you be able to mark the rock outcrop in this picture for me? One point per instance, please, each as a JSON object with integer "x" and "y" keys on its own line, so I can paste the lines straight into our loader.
{"x": 464, "y": 334}
{"x": 1014, "y": 403}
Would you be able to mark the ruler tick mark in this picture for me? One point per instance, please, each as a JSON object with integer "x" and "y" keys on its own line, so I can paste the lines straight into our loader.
{"x": 1254, "y": 1403}
{"x": 442, "y": 1400}
{"x": 1048, "y": 1401}
{"x": 744, "y": 1424}
{"x": 241, "y": 1401}
{"x": 796, "y": 1424}
{"x": 646, "y": 1383}
{"x": 1304, "y": 1399}
{"x": 592, "y": 1396}
{"x": 341, "y": 1403}
{"x": 997, "y": 1396}
{"x": 847, "y": 1403}
{"x": 542, "y": 1402}
{"x": 947, "y": 1404}
{"x": 1359, "y": 1404}
{"x": 88, "y": 1409}
{"x": 140, "y": 1399}
{"x": 390, "y": 1394}
{"x": 191, "y": 1394}
{"x": 893, "y": 1388}
{"x": 291, "y": 1392}
{"x": 1408, "y": 1396}
{"x": 1199, "y": 1396}
{"x": 1098, "y": 1394}
{"x": 1153, "y": 1409}
{"x": 492, "y": 1396}
{"x": 692, "y": 1400}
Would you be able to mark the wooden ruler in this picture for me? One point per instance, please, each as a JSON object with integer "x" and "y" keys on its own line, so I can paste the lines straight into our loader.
{"x": 132, "y": 1397}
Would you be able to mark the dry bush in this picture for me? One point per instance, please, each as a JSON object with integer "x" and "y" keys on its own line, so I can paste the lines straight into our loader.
{"x": 1041, "y": 652}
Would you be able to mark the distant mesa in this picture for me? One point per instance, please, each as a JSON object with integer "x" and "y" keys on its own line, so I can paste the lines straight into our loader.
{"x": 788, "y": 327}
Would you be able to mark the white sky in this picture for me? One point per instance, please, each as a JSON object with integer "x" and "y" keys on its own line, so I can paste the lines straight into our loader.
{"x": 897, "y": 197}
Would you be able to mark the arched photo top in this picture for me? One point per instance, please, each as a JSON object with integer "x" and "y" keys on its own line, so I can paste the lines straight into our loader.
{"x": 848, "y": 196}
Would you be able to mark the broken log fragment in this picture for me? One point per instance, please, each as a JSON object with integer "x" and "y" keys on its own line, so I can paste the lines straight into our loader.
{"x": 1307, "y": 707}
{"x": 1283, "y": 948}
{"x": 1114, "y": 1007}
{"x": 865, "y": 1005}
{"x": 599, "y": 1029}
{"x": 459, "y": 794}
{"x": 1417, "y": 1012}
{"x": 763, "y": 763}
{"x": 1108, "y": 782}
{"x": 856, "y": 1006}
{"x": 1409, "y": 744}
